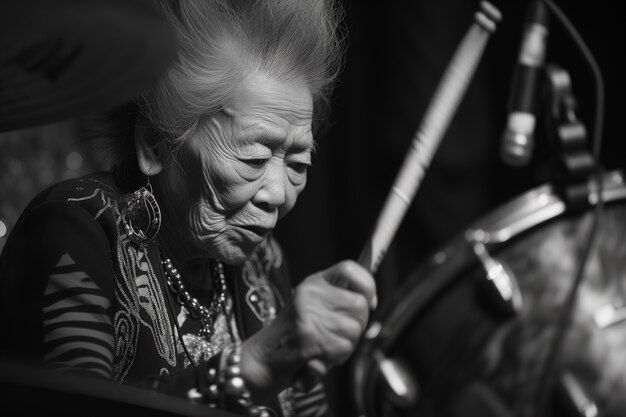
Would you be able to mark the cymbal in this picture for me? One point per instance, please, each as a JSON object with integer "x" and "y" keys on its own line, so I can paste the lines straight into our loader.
{"x": 31, "y": 390}
{"x": 61, "y": 59}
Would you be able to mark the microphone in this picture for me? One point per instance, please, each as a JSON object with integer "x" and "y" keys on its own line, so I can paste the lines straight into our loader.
{"x": 518, "y": 136}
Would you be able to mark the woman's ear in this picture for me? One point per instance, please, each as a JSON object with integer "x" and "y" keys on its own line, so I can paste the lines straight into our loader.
{"x": 150, "y": 152}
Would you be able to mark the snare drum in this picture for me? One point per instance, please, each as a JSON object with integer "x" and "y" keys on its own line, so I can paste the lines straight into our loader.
{"x": 469, "y": 331}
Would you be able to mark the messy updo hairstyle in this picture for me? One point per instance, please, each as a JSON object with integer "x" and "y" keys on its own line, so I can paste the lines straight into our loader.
{"x": 220, "y": 42}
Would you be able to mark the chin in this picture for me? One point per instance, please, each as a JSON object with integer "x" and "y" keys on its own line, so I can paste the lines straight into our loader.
{"x": 230, "y": 248}
{"x": 234, "y": 257}
{"x": 231, "y": 254}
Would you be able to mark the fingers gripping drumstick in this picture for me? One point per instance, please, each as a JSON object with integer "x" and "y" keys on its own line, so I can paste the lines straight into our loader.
{"x": 445, "y": 101}
{"x": 426, "y": 141}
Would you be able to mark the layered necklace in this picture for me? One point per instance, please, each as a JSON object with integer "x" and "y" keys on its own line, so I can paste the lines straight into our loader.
{"x": 206, "y": 315}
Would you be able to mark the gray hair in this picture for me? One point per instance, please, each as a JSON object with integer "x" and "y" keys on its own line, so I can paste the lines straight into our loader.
{"x": 222, "y": 41}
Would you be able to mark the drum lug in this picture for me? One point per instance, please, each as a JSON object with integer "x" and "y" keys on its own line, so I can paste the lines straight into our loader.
{"x": 502, "y": 286}
{"x": 574, "y": 398}
{"x": 609, "y": 315}
{"x": 401, "y": 387}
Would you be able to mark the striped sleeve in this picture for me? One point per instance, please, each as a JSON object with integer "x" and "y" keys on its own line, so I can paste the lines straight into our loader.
{"x": 77, "y": 330}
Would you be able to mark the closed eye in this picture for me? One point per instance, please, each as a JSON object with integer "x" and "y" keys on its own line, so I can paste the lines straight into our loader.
{"x": 298, "y": 167}
{"x": 256, "y": 163}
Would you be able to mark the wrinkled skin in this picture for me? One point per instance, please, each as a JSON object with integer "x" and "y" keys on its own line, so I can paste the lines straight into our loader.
{"x": 240, "y": 173}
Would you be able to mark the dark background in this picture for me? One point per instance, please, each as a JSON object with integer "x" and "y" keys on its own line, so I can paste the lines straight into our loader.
{"x": 397, "y": 51}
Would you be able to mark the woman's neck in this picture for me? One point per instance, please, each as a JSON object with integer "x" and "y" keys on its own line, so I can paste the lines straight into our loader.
{"x": 195, "y": 271}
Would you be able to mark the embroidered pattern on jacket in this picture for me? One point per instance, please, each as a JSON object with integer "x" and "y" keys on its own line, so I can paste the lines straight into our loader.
{"x": 141, "y": 302}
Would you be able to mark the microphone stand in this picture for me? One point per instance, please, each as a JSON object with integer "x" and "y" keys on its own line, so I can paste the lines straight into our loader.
{"x": 574, "y": 162}
{"x": 575, "y": 167}
{"x": 573, "y": 170}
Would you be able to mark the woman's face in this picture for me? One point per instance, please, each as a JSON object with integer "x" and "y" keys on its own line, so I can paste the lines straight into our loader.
{"x": 241, "y": 171}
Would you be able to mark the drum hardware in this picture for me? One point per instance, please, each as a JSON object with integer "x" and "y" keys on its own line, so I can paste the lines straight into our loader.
{"x": 611, "y": 189}
{"x": 613, "y": 313}
{"x": 574, "y": 162}
{"x": 401, "y": 387}
{"x": 541, "y": 204}
{"x": 573, "y": 398}
{"x": 575, "y": 167}
{"x": 609, "y": 315}
{"x": 438, "y": 325}
{"x": 500, "y": 285}
{"x": 535, "y": 207}
{"x": 428, "y": 324}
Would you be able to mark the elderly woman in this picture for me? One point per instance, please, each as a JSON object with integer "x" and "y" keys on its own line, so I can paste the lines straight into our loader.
{"x": 164, "y": 270}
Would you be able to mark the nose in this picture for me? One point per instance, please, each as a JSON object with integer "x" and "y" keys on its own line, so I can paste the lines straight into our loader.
{"x": 272, "y": 193}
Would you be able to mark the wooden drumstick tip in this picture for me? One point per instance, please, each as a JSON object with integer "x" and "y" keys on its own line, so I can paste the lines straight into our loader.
{"x": 491, "y": 11}
{"x": 487, "y": 16}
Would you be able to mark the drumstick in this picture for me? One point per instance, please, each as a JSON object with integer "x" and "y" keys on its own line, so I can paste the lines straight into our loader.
{"x": 445, "y": 102}
{"x": 427, "y": 138}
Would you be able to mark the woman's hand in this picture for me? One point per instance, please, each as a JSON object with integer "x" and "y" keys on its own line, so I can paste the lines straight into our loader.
{"x": 323, "y": 321}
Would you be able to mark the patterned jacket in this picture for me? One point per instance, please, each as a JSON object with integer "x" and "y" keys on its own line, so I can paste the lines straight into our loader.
{"x": 77, "y": 294}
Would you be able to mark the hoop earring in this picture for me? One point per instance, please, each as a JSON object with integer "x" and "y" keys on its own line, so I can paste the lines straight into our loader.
{"x": 141, "y": 215}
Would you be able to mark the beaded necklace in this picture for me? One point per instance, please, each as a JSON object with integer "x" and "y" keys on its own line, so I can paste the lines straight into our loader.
{"x": 206, "y": 315}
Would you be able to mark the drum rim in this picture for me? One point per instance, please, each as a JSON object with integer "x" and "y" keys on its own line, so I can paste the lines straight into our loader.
{"x": 537, "y": 206}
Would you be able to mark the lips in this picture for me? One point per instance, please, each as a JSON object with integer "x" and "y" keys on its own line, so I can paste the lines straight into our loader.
{"x": 258, "y": 230}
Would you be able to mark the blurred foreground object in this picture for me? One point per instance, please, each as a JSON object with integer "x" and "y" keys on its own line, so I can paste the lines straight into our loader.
{"x": 64, "y": 58}
{"x": 78, "y": 395}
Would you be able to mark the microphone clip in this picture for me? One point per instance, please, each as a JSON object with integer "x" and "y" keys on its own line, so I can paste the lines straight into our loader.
{"x": 574, "y": 162}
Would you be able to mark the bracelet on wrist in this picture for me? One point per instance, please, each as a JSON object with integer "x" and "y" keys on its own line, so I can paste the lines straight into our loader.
{"x": 225, "y": 387}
